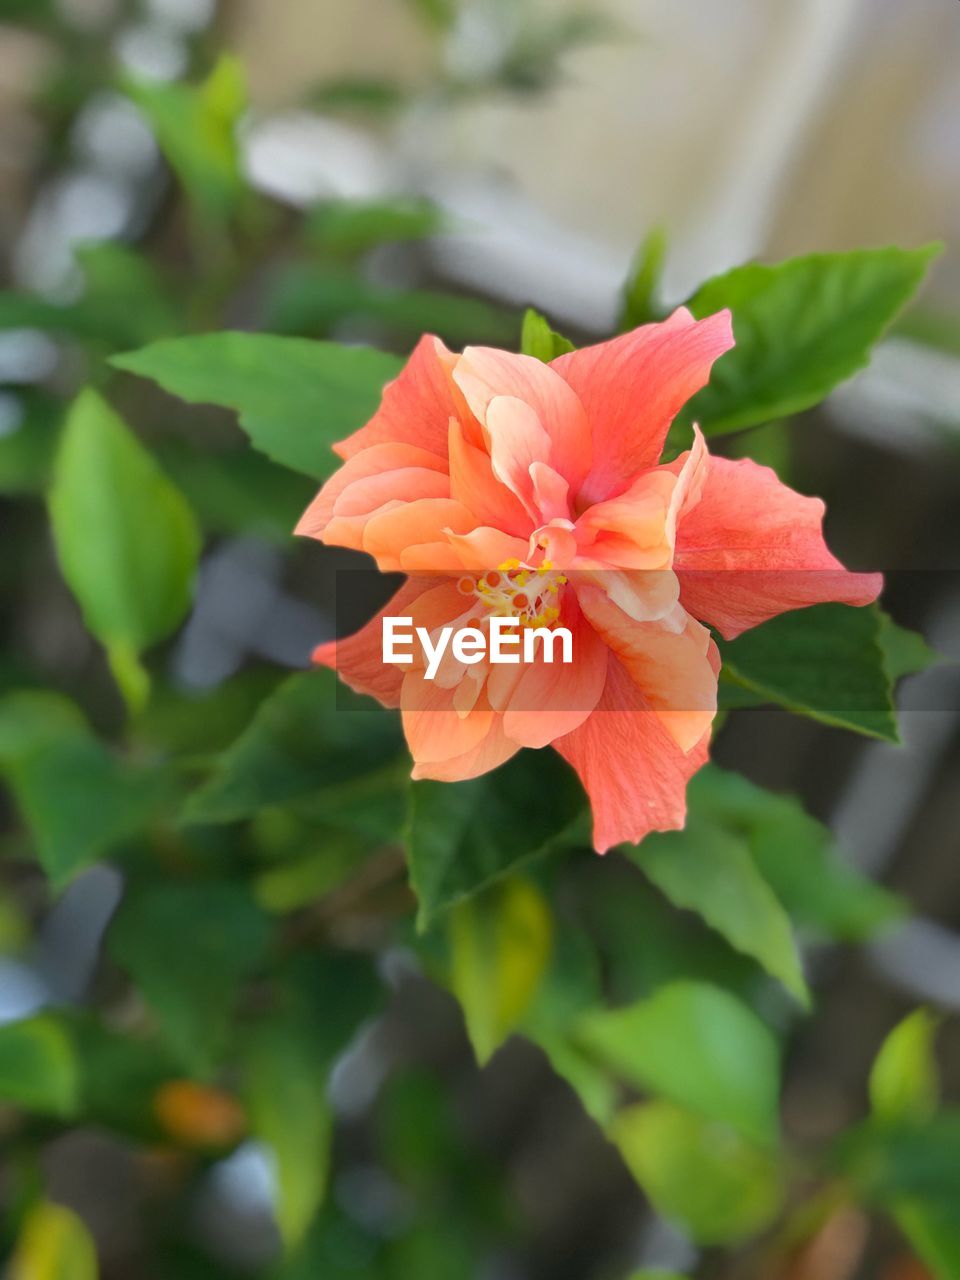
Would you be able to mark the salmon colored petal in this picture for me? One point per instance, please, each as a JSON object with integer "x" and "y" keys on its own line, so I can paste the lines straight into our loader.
{"x": 489, "y": 752}
{"x": 358, "y": 659}
{"x": 416, "y": 407}
{"x": 753, "y": 548}
{"x": 632, "y": 770}
{"x": 473, "y": 483}
{"x": 370, "y": 462}
{"x": 517, "y": 440}
{"x": 674, "y": 672}
{"x": 633, "y": 387}
{"x": 484, "y": 374}
{"x": 552, "y": 699}
{"x": 434, "y": 729}
{"x": 388, "y": 534}
{"x": 644, "y": 595}
{"x": 375, "y": 494}
{"x": 632, "y": 530}
{"x": 486, "y": 548}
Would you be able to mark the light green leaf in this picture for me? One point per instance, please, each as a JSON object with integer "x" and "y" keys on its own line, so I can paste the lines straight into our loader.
{"x": 46, "y": 749}
{"x": 934, "y": 1234}
{"x": 126, "y": 540}
{"x": 904, "y": 1081}
{"x": 826, "y": 662}
{"x": 196, "y": 129}
{"x": 38, "y": 1068}
{"x": 187, "y": 947}
{"x": 500, "y": 944}
{"x": 640, "y": 291}
{"x": 540, "y": 341}
{"x": 700, "y": 1174}
{"x": 801, "y": 327}
{"x": 711, "y": 871}
{"x": 295, "y": 398}
{"x": 796, "y": 855}
{"x": 285, "y": 1093}
{"x": 699, "y": 1046}
{"x": 463, "y": 836}
{"x": 54, "y": 1244}
{"x": 308, "y": 740}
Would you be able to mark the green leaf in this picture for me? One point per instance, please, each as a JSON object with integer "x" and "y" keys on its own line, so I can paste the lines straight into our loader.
{"x": 699, "y": 1046}
{"x": 28, "y": 446}
{"x": 196, "y": 129}
{"x": 904, "y": 1081}
{"x": 935, "y": 1235}
{"x": 355, "y": 226}
{"x": 38, "y": 1068}
{"x": 126, "y": 540}
{"x": 796, "y": 855}
{"x": 47, "y": 750}
{"x": 640, "y": 292}
{"x": 310, "y": 300}
{"x": 285, "y": 1094}
{"x": 906, "y": 1162}
{"x": 465, "y": 835}
{"x": 309, "y": 740}
{"x": 700, "y": 1174}
{"x": 826, "y": 662}
{"x": 500, "y": 944}
{"x": 54, "y": 1244}
{"x": 187, "y": 948}
{"x": 295, "y": 398}
{"x": 711, "y": 871}
{"x": 540, "y": 341}
{"x": 905, "y": 652}
{"x": 801, "y": 327}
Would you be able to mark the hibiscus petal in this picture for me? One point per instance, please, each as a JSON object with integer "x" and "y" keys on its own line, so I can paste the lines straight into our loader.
{"x": 633, "y": 387}
{"x": 472, "y": 482}
{"x": 358, "y": 659}
{"x": 753, "y": 548}
{"x": 434, "y": 729}
{"x": 674, "y": 672}
{"x": 376, "y": 461}
{"x": 634, "y": 773}
{"x": 484, "y": 374}
{"x": 492, "y": 750}
{"x": 389, "y": 534}
{"x": 417, "y": 405}
{"x": 551, "y": 699}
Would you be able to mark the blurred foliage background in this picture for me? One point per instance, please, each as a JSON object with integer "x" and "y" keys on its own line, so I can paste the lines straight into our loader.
{"x": 233, "y": 1040}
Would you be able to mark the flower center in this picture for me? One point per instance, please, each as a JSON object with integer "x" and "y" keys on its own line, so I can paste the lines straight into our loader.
{"x": 515, "y": 590}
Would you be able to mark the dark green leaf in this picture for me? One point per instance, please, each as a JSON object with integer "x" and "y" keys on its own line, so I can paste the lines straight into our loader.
{"x": 699, "y": 1046}
{"x": 309, "y": 741}
{"x": 802, "y": 327}
{"x": 905, "y": 652}
{"x": 354, "y": 226}
{"x": 310, "y": 300}
{"x": 28, "y": 446}
{"x": 127, "y": 542}
{"x": 700, "y": 1174}
{"x": 46, "y": 750}
{"x": 711, "y": 871}
{"x": 935, "y": 1235}
{"x": 295, "y": 398}
{"x": 826, "y": 662}
{"x": 465, "y": 835}
{"x": 38, "y": 1069}
{"x": 187, "y": 947}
